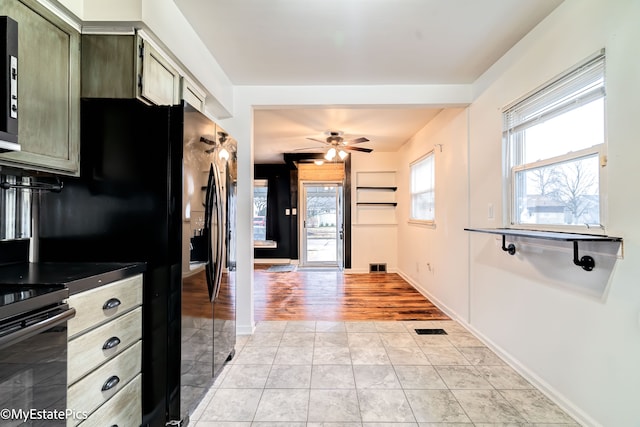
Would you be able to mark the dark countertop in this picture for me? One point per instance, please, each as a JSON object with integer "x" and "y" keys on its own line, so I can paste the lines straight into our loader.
{"x": 77, "y": 277}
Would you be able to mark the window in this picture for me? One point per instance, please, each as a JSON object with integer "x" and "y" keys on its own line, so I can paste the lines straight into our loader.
{"x": 555, "y": 152}
{"x": 260, "y": 191}
{"x": 423, "y": 188}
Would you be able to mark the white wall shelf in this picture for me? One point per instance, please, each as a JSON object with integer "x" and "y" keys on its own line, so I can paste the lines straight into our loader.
{"x": 586, "y": 262}
{"x": 376, "y": 197}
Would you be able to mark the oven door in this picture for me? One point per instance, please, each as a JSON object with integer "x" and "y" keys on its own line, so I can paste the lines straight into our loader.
{"x": 33, "y": 368}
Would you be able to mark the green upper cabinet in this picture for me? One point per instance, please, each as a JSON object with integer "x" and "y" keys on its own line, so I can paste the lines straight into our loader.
{"x": 48, "y": 90}
{"x": 127, "y": 66}
{"x": 192, "y": 94}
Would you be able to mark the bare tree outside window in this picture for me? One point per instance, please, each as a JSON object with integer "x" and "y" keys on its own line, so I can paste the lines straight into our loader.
{"x": 562, "y": 193}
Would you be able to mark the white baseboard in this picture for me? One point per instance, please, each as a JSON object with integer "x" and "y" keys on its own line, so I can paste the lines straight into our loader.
{"x": 274, "y": 261}
{"x": 245, "y": 329}
{"x": 442, "y": 306}
{"x": 366, "y": 270}
{"x": 554, "y": 395}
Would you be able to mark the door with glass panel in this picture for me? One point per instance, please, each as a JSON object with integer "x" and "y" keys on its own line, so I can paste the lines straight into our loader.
{"x": 321, "y": 233}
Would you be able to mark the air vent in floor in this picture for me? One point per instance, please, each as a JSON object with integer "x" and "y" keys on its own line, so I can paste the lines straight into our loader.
{"x": 431, "y": 332}
{"x": 377, "y": 268}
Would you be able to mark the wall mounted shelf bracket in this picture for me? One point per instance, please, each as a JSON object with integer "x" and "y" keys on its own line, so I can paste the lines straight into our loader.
{"x": 511, "y": 248}
{"x": 586, "y": 262}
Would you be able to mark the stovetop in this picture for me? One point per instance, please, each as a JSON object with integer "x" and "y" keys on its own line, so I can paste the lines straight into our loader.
{"x": 20, "y": 299}
{"x": 29, "y": 286}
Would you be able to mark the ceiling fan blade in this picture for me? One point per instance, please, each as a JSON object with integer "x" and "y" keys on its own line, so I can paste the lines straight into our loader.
{"x": 364, "y": 150}
{"x": 318, "y": 140}
{"x": 309, "y": 148}
{"x": 356, "y": 140}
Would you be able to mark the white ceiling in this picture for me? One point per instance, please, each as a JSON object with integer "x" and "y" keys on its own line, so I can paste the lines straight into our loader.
{"x": 355, "y": 42}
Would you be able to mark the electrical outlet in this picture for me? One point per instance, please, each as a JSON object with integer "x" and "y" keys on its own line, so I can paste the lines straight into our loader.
{"x": 490, "y": 214}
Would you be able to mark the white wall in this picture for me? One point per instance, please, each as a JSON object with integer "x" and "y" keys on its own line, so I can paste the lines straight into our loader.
{"x": 584, "y": 347}
{"x": 435, "y": 259}
{"x": 373, "y": 243}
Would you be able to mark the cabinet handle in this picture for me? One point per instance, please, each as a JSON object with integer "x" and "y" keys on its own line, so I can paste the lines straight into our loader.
{"x": 110, "y": 383}
{"x": 111, "y": 343}
{"x": 111, "y": 303}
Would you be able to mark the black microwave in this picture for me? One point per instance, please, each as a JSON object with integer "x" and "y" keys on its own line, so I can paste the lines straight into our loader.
{"x": 9, "y": 88}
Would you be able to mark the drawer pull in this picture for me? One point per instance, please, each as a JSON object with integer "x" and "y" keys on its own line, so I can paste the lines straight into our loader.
{"x": 111, "y": 303}
{"x": 111, "y": 343}
{"x": 111, "y": 383}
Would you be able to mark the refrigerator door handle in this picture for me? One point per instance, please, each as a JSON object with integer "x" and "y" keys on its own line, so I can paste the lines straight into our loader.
{"x": 209, "y": 202}
{"x": 220, "y": 238}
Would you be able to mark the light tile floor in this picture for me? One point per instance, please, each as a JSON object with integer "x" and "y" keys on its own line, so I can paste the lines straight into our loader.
{"x": 370, "y": 374}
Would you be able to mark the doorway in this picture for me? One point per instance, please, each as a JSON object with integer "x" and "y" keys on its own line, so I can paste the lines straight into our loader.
{"x": 321, "y": 224}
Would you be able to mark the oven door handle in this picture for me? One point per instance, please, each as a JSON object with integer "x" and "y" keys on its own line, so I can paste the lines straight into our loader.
{"x": 36, "y": 328}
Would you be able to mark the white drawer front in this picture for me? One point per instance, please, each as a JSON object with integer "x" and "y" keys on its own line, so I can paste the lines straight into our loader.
{"x": 123, "y": 410}
{"x": 92, "y": 307}
{"x": 88, "y": 394}
{"x": 87, "y": 351}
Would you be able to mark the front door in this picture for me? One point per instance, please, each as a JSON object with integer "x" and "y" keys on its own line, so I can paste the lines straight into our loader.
{"x": 321, "y": 224}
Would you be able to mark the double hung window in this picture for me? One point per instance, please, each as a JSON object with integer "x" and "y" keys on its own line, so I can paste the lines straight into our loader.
{"x": 423, "y": 189}
{"x": 555, "y": 152}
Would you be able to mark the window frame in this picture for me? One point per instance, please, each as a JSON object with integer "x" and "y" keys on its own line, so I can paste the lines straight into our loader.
{"x": 432, "y": 156}
{"x": 261, "y": 183}
{"x": 513, "y": 155}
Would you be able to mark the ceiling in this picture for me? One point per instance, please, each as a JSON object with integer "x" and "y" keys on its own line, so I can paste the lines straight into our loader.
{"x": 355, "y": 42}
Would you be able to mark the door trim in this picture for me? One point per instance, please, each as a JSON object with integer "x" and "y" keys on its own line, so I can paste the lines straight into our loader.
{"x": 340, "y": 243}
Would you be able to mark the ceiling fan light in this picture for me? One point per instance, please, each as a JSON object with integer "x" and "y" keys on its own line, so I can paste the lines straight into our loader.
{"x": 331, "y": 154}
{"x": 223, "y": 154}
{"x": 318, "y": 162}
{"x": 343, "y": 154}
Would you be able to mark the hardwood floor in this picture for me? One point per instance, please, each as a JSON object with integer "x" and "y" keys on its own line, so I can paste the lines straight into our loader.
{"x": 333, "y": 295}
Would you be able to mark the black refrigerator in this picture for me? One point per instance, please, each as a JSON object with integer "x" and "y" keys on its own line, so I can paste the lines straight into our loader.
{"x": 154, "y": 187}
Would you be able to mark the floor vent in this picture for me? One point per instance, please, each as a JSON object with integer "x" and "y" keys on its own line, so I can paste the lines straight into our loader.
{"x": 431, "y": 332}
{"x": 377, "y": 268}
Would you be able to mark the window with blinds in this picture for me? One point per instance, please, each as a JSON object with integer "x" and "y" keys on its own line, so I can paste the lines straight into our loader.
{"x": 423, "y": 189}
{"x": 555, "y": 152}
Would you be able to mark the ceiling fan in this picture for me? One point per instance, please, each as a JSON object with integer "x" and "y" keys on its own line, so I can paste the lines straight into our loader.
{"x": 335, "y": 140}
{"x": 338, "y": 146}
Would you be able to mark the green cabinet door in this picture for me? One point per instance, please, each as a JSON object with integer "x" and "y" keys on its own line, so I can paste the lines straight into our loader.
{"x": 48, "y": 90}
{"x": 127, "y": 66}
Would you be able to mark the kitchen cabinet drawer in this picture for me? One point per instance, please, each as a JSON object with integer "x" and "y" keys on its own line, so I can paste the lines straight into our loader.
{"x": 86, "y": 352}
{"x": 48, "y": 90}
{"x": 102, "y": 304}
{"x": 99, "y": 386}
{"x": 123, "y": 410}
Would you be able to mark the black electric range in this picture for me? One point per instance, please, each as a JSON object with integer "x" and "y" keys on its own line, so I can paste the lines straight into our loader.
{"x": 16, "y": 299}
{"x": 29, "y": 286}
